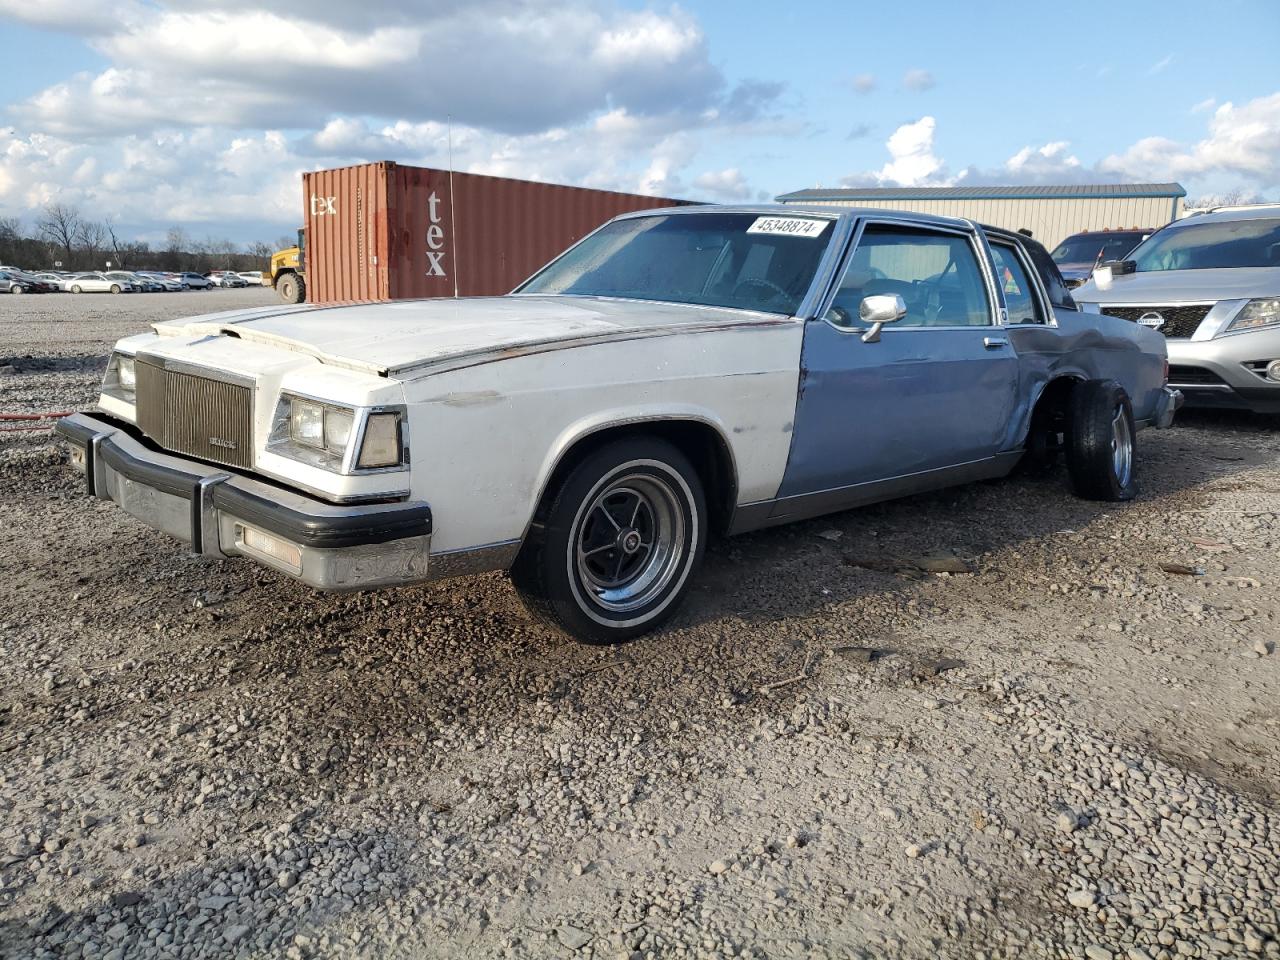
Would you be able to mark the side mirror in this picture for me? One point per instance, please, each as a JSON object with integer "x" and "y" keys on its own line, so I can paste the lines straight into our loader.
{"x": 879, "y": 310}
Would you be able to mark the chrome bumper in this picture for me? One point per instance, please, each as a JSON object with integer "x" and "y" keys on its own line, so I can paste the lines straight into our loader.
{"x": 1167, "y": 405}
{"x": 222, "y": 514}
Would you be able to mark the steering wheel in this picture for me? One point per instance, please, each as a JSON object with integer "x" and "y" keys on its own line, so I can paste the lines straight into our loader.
{"x": 773, "y": 288}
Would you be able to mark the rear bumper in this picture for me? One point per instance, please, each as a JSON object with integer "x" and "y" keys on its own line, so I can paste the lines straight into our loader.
{"x": 1167, "y": 404}
{"x": 223, "y": 514}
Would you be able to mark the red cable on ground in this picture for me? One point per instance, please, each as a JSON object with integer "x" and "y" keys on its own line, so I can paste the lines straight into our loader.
{"x": 36, "y": 416}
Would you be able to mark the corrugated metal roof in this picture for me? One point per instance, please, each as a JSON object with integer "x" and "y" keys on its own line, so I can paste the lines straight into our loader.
{"x": 1073, "y": 191}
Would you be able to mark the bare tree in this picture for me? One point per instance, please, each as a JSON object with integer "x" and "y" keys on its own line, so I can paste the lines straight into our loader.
{"x": 260, "y": 250}
{"x": 10, "y": 238}
{"x": 119, "y": 251}
{"x": 1228, "y": 199}
{"x": 60, "y": 225}
{"x": 175, "y": 246}
{"x": 93, "y": 237}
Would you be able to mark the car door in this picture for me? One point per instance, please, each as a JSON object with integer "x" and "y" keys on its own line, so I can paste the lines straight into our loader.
{"x": 934, "y": 391}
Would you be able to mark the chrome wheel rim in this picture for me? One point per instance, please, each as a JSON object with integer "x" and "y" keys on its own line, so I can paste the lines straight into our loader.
{"x": 629, "y": 542}
{"x": 1121, "y": 447}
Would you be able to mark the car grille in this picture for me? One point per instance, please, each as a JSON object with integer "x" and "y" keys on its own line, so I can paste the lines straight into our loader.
{"x": 1179, "y": 322}
{"x": 1193, "y": 376}
{"x": 186, "y": 413}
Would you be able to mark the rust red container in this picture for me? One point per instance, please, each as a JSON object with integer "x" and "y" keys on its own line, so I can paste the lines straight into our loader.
{"x": 381, "y": 231}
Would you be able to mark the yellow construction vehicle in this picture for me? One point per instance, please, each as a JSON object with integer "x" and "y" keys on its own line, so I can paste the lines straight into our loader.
{"x": 287, "y": 272}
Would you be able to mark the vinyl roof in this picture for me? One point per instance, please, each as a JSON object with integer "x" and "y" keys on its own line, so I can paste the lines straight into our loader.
{"x": 1072, "y": 191}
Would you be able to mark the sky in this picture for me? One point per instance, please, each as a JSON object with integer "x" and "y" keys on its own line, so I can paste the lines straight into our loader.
{"x": 204, "y": 113}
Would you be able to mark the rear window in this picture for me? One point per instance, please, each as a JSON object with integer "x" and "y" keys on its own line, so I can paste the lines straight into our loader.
{"x": 1208, "y": 246}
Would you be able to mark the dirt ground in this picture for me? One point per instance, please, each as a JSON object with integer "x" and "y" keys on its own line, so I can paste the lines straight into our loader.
{"x": 996, "y": 721}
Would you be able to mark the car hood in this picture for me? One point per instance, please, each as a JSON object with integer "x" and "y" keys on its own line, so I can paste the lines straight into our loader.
{"x": 1182, "y": 286}
{"x": 407, "y": 336}
{"x": 1075, "y": 271}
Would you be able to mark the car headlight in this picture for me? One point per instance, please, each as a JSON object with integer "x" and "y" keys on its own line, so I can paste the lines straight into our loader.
{"x": 1264, "y": 312}
{"x": 335, "y": 437}
{"x": 121, "y": 379}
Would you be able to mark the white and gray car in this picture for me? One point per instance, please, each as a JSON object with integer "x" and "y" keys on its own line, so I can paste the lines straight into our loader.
{"x": 677, "y": 373}
{"x": 1211, "y": 284}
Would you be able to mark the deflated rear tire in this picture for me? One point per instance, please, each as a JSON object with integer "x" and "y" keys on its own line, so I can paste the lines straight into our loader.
{"x": 1101, "y": 442}
{"x": 616, "y": 544}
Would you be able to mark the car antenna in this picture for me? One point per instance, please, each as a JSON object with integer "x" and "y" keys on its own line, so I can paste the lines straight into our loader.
{"x": 453, "y": 221}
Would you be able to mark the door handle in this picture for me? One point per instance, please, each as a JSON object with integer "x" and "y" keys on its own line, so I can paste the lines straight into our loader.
{"x": 994, "y": 343}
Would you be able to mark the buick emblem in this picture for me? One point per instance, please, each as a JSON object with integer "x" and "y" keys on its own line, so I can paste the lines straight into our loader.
{"x": 224, "y": 444}
{"x": 1152, "y": 319}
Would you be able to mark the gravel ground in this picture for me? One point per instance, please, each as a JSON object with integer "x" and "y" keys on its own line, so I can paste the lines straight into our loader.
{"x": 991, "y": 722}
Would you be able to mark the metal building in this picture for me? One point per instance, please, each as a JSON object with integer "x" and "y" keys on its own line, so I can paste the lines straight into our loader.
{"x": 1051, "y": 213}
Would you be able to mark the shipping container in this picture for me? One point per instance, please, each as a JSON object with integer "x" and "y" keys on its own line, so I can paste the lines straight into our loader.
{"x": 382, "y": 231}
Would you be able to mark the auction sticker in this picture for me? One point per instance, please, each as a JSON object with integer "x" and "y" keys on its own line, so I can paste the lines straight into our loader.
{"x": 788, "y": 226}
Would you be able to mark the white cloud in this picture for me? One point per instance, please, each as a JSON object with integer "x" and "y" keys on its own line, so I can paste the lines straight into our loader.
{"x": 728, "y": 184}
{"x": 918, "y": 80}
{"x": 1160, "y": 64}
{"x": 1242, "y": 141}
{"x": 864, "y": 82}
{"x": 1240, "y": 153}
{"x": 504, "y": 65}
{"x": 208, "y": 111}
{"x": 912, "y": 161}
{"x": 1208, "y": 103}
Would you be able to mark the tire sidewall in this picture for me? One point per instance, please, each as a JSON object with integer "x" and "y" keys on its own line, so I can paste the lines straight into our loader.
{"x": 1091, "y": 460}
{"x": 569, "y": 596}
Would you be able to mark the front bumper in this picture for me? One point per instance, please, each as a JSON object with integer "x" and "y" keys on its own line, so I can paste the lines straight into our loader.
{"x": 223, "y": 514}
{"x": 1222, "y": 374}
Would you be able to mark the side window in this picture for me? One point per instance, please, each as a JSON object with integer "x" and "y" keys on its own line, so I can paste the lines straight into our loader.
{"x": 1019, "y": 295}
{"x": 936, "y": 274}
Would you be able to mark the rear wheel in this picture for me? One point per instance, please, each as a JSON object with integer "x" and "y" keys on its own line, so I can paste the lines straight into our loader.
{"x": 1101, "y": 443}
{"x": 292, "y": 288}
{"x": 17, "y": 288}
{"x": 75, "y": 289}
{"x": 616, "y": 544}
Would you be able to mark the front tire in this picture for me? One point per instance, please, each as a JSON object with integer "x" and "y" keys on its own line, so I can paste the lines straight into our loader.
{"x": 75, "y": 289}
{"x": 16, "y": 289}
{"x": 115, "y": 288}
{"x": 1101, "y": 444}
{"x": 616, "y": 544}
{"x": 292, "y": 288}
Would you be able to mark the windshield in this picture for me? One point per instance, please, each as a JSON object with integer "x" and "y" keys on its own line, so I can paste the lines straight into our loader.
{"x": 740, "y": 260}
{"x": 1206, "y": 246}
{"x": 1087, "y": 248}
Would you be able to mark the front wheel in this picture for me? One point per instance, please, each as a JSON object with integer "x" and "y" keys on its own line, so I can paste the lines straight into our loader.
{"x": 16, "y": 289}
{"x": 292, "y": 288}
{"x": 1101, "y": 447}
{"x": 75, "y": 289}
{"x": 614, "y": 547}
{"x": 115, "y": 288}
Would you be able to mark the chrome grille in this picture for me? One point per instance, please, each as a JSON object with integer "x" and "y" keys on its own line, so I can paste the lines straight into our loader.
{"x": 1179, "y": 322}
{"x": 186, "y": 413}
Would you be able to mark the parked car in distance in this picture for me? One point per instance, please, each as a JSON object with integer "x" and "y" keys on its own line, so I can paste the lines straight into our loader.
{"x": 1210, "y": 283}
{"x": 139, "y": 283}
{"x": 1077, "y": 255}
{"x": 56, "y": 280}
{"x": 92, "y": 282}
{"x": 166, "y": 282}
{"x": 676, "y": 373}
{"x": 253, "y": 278}
{"x": 195, "y": 281}
{"x": 227, "y": 278}
{"x": 12, "y": 281}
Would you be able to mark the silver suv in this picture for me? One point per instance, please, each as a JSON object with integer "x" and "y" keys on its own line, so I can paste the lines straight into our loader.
{"x": 1211, "y": 284}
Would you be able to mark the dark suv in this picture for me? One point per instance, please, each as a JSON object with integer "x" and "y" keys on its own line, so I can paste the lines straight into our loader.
{"x": 1077, "y": 255}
